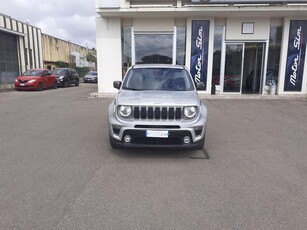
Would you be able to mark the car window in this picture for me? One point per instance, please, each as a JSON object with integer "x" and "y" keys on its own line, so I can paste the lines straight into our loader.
{"x": 92, "y": 73}
{"x": 32, "y": 73}
{"x": 59, "y": 71}
{"x": 170, "y": 79}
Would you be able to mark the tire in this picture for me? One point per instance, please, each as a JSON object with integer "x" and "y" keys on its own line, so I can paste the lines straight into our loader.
{"x": 40, "y": 87}
{"x": 65, "y": 84}
{"x": 114, "y": 144}
{"x": 77, "y": 83}
{"x": 55, "y": 85}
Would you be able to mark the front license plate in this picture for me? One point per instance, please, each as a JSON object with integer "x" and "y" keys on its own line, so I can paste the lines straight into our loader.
{"x": 156, "y": 133}
{"x": 22, "y": 84}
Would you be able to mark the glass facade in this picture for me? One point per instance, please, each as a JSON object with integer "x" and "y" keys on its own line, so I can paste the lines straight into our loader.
{"x": 9, "y": 68}
{"x": 153, "y": 48}
{"x": 274, "y": 54}
{"x": 126, "y": 49}
{"x": 216, "y": 70}
{"x": 242, "y": 55}
{"x": 181, "y": 44}
{"x": 233, "y": 68}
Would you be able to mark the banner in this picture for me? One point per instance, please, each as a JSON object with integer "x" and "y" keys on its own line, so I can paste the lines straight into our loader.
{"x": 199, "y": 51}
{"x": 296, "y": 55}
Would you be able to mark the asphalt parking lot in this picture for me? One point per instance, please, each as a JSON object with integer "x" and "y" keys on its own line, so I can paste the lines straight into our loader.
{"x": 57, "y": 170}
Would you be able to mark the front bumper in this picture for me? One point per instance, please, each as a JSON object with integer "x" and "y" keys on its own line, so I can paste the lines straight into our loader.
{"x": 176, "y": 132}
{"x": 174, "y": 140}
{"x": 93, "y": 80}
{"x": 26, "y": 86}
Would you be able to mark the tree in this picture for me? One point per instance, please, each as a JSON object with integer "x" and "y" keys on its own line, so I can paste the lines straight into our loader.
{"x": 91, "y": 56}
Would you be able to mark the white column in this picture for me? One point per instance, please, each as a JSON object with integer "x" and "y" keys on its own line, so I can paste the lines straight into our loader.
{"x": 109, "y": 55}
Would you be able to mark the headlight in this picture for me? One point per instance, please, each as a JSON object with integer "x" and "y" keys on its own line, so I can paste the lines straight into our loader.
{"x": 31, "y": 81}
{"x": 124, "y": 111}
{"x": 190, "y": 112}
{"x": 16, "y": 80}
{"x": 61, "y": 77}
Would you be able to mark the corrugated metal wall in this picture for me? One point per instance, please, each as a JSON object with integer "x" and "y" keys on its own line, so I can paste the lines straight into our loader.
{"x": 20, "y": 49}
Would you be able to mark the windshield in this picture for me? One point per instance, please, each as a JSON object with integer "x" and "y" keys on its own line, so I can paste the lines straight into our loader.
{"x": 170, "y": 79}
{"x": 59, "y": 71}
{"x": 32, "y": 73}
{"x": 92, "y": 73}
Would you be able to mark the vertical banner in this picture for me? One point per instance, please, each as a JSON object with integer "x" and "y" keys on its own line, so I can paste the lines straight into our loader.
{"x": 199, "y": 51}
{"x": 296, "y": 55}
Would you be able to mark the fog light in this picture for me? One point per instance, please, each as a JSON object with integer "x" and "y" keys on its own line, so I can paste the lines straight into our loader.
{"x": 127, "y": 138}
{"x": 186, "y": 139}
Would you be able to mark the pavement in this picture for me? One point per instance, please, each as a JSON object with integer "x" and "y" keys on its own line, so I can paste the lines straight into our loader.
{"x": 58, "y": 171}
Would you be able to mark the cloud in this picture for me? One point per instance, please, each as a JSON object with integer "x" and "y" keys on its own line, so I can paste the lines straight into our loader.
{"x": 72, "y": 20}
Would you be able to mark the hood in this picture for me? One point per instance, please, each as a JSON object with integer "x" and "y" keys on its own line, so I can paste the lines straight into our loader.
{"x": 24, "y": 78}
{"x": 157, "y": 97}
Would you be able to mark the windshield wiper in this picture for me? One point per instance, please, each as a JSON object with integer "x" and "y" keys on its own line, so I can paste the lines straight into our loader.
{"x": 134, "y": 89}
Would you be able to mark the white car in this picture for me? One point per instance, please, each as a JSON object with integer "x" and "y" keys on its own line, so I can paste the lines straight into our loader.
{"x": 157, "y": 106}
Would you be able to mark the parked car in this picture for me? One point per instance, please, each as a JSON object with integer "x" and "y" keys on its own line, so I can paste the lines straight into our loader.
{"x": 35, "y": 79}
{"x": 91, "y": 77}
{"x": 157, "y": 106}
{"x": 66, "y": 76}
{"x": 271, "y": 77}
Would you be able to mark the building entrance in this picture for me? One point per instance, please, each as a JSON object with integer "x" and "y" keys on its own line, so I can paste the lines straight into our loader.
{"x": 253, "y": 67}
{"x": 244, "y": 63}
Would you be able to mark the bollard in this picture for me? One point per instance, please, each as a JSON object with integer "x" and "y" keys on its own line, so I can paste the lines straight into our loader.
{"x": 212, "y": 89}
{"x": 273, "y": 88}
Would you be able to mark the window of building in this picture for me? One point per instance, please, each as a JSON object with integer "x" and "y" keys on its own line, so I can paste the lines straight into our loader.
{"x": 181, "y": 44}
{"x": 274, "y": 54}
{"x": 126, "y": 49}
{"x": 153, "y": 48}
{"x": 218, "y": 37}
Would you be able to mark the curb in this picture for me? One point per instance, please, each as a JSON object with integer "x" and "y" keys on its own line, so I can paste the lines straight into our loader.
{"x": 221, "y": 97}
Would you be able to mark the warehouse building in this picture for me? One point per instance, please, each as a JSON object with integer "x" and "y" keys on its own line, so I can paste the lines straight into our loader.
{"x": 23, "y": 47}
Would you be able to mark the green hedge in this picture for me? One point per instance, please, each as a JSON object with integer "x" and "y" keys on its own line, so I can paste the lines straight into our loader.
{"x": 82, "y": 71}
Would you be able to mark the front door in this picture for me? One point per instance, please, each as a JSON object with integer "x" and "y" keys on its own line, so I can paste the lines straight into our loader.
{"x": 233, "y": 67}
{"x": 244, "y": 63}
{"x": 253, "y": 68}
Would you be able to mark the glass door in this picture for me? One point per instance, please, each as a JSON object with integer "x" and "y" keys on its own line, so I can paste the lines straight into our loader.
{"x": 233, "y": 67}
{"x": 253, "y": 67}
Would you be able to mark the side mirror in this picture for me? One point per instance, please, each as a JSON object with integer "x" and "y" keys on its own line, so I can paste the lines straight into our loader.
{"x": 200, "y": 85}
{"x": 117, "y": 84}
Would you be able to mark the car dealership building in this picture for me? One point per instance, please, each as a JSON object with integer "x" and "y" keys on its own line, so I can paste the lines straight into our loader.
{"x": 233, "y": 46}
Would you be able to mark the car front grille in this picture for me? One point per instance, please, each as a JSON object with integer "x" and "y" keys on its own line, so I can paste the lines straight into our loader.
{"x": 23, "y": 81}
{"x": 157, "y": 113}
{"x": 158, "y": 141}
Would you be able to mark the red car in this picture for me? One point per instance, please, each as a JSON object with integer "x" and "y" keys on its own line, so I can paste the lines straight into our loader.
{"x": 36, "y": 79}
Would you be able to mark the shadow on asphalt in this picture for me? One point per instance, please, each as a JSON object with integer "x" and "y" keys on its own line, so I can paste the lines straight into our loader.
{"x": 161, "y": 153}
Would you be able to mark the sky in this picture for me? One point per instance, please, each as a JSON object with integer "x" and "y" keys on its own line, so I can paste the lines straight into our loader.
{"x": 72, "y": 20}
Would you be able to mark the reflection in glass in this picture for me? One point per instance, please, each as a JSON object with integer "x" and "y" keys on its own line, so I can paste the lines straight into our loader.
{"x": 181, "y": 42}
{"x": 274, "y": 54}
{"x": 126, "y": 49}
{"x": 233, "y": 68}
{"x": 218, "y": 36}
{"x": 153, "y": 48}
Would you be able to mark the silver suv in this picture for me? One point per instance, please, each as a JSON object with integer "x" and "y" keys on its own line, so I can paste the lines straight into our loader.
{"x": 157, "y": 106}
